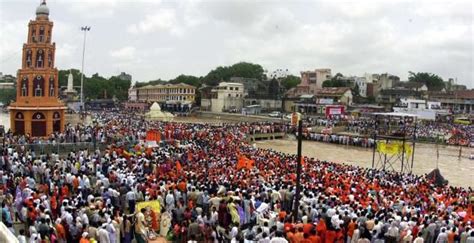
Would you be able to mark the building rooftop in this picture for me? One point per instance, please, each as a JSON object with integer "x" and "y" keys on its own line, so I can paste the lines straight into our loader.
{"x": 180, "y": 85}
{"x": 459, "y": 94}
{"x": 332, "y": 91}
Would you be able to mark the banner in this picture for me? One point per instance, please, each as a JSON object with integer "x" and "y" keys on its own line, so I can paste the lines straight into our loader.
{"x": 393, "y": 148}
{"x": 154, "y": 205}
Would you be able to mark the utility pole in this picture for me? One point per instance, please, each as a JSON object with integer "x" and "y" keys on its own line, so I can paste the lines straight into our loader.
{"x": 85, "y": 29}
{"x": 298, "y": 170}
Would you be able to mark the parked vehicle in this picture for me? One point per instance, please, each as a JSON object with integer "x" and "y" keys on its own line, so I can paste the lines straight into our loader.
{"x": 275, "y": 114}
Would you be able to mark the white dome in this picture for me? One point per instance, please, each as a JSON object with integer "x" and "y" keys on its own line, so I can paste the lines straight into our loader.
{"x": 42, "y": 9}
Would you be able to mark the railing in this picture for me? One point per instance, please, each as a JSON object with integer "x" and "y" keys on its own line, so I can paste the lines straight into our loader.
{"x": 265, "y": 136}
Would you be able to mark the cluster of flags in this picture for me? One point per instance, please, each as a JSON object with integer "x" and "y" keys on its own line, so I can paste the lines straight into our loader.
{"x": 244, "y": 163}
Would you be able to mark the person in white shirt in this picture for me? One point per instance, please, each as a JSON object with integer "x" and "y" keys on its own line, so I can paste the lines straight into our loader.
{"x": 278, "y": 238}
{"x": 104, "y": 234}
{"x": 22, "y": 237}
{"x": 419, "y": 239}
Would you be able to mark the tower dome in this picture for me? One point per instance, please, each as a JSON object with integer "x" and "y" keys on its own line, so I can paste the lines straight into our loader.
{"x": 42, "y": 10}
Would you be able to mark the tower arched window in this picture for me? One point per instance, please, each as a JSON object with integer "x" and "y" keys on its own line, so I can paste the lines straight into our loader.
{"x": 28, "y": 58}
{"x": 50, "y": 58}
{"x": 51, "y": 86}
{"x": 24, "y": 86}
{"x": 39, "y": 58}
{"x": 38, "y": 86}
{"x": 41, "y": 34}
{"x": 33, "y": 34}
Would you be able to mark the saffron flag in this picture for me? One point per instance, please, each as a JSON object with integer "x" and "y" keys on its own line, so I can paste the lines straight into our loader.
{"x": 244, "y": 162}
{"x": 250, "y": 164}
{"x": 241, "y": 163}
{"x": 302, "y": 162}
{"x": 153, "y": 135}
{"x": 178, "y": 166}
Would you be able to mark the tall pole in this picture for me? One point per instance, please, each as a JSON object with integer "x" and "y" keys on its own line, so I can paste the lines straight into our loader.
{"x": 85, "y": 29}
{"x": 414, "y": 143}
{"x": 298, "y": 171}
{"x": 375, "y": 141}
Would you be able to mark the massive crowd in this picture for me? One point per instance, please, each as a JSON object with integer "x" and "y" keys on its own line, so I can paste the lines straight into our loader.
{"x": 204, "y": 197}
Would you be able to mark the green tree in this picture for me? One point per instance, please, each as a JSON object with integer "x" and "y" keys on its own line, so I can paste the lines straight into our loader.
{"x": 187, "y": 79}
{"x": 290, "y": 81}
{"x": 432, "y": 81}
{"x": 336, "y": 81}
{"x": 7, "y": 95}
{"x": 96, "y": 87}
{"x": 241, "y": 69}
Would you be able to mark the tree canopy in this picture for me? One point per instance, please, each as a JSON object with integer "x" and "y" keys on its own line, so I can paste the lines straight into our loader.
{"x": 290, "y": 81}
{"x": 96, "y": 86}
{"x": 336, "y": 81}
{"x": 187, "y": 79}
{"x": 7, "y": 95}
{"x": 432, "y": 81}
{"x": 241, "y": 69}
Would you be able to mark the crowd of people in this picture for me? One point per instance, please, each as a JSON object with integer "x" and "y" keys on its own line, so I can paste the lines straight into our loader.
{"x": 204, "y": 196}
{"x": 425, "y": 131}
{"x": 365, "y": 142}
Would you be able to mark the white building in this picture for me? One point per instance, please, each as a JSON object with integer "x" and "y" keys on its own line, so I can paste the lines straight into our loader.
{"x": 132, "y": 94}
{"x": 227, "y": 96}
{"x": 362, "y": 83}
{"x": 427, "y": 110}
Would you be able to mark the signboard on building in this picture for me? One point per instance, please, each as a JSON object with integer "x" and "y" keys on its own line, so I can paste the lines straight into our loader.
{"x": 336, "y": 110}
{"x": 325, "y": 101}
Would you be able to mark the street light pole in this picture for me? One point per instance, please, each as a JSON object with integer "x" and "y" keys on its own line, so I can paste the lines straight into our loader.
{"x": 85, "y": 29}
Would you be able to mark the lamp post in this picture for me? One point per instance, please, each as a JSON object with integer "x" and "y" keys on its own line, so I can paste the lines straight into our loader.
{"x": 85, "y": 29}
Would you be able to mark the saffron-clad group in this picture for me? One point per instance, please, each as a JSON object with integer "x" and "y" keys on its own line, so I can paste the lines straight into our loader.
{"x": 204, "y": 196}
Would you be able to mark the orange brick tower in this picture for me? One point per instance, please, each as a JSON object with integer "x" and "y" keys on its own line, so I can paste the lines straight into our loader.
{"x": 38, "y": 111}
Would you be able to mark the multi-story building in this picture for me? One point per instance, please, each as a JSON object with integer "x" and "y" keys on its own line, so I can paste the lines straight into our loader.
{"x": 383, "y": 82}
{"x": 314, "y": 79}
{"x": 361, "y": 82}
{"x": 9, "y": 85}
{"x": 318, "y": 102}
{"x": 226, "y": 96}
{"x": 460, "y": 101}
{"x": 7, "y": 78}
{"x": 167, "y": 93}
{"x": 38, "y": 111}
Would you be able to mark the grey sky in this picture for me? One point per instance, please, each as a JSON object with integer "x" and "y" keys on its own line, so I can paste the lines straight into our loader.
{"x": 162, "y": 39}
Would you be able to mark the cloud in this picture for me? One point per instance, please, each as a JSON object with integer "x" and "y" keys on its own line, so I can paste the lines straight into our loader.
{"x": 128, "y": 52}
{"x": 195, "y": 36}
{"x": 65, "y": 50}
{"x": 163, "y": 20}
{"x": 93, "y": 9}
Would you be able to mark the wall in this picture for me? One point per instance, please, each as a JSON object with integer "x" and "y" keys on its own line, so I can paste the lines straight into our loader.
{"x": 266, "y": 104}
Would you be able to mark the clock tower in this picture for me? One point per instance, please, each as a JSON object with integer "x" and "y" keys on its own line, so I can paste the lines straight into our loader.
{"x": 38, "y": 111}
